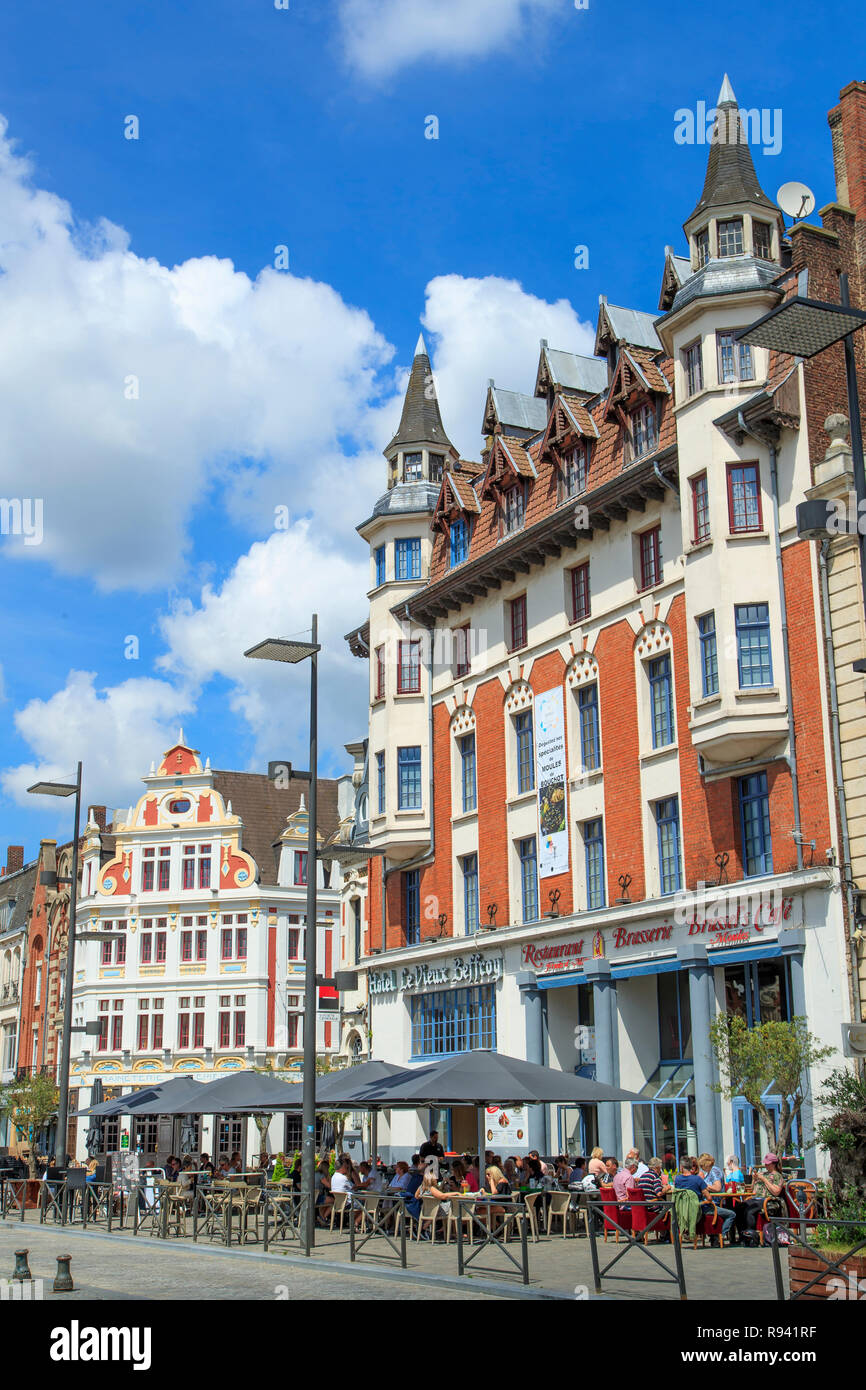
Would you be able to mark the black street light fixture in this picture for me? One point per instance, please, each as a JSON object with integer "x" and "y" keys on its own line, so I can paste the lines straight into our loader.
{"x": 66, "y": 789}
{"x": 290, "y": 651}
{"x": 804, "y": 328}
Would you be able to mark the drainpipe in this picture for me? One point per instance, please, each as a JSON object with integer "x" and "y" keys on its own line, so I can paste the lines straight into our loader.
{"x": 665, "y": 482}
{"x": 840, "y": 784}
{"x": 783, "y": 606}
{"x": 428, "y": 855}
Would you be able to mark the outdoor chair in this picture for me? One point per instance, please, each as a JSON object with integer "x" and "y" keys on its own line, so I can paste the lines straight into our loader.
{"x": 530, "y": 1202}
{"x": 559, "y": 1209}
{"x": 339, "y": 1208}
{"x": 75, "y": 1195}
{"x": 214, "y": 1209}
{"x": 460, "y": 1211}
{"x": 253, "y": 1206}
{"x": 614, "y": 1219}
{"x": 709, "y": 1223}
{"x": 432, "y": 1213}
{"x": 370, "y": 1202}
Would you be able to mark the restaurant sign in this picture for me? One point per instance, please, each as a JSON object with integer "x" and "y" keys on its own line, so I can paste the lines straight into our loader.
{"x": 463, "y": 970}
{"x": 748, "y": 922}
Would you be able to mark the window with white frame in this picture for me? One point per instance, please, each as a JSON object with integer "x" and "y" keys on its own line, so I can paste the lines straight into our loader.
{"x": 233, "y": 937}
{"x": 149, "y": 1033}
{"x": 153, "y": 940}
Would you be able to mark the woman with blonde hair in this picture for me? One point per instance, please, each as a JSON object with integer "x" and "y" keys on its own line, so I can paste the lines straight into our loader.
{"x": 596, "y": 1168}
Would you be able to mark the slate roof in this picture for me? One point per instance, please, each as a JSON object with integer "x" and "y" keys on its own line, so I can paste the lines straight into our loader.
{"x": 264, "y": 809}
{"x": 730, "y": 176}
{"x": 632, "y": 326}
{"x": 515, "y": 411}
{"x": 420, "y": 422}
{"x": 726, "y": 275}
{"x": 19, "y": 886}
{"x": 572, "y": 372}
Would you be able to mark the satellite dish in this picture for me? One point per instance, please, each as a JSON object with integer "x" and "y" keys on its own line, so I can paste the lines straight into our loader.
{"x": 795, "y": 199}
{"x": 854, "y": 1039}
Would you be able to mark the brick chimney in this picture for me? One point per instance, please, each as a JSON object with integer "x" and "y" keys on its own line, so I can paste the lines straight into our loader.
{"x": 99, "y": 814}
{"x": 14, "y": 858}
{"x": 848, "y": 129}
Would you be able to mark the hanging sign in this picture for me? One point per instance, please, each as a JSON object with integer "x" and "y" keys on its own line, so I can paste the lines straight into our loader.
{"x": 506, "y": 1127}
{"x": 551, "y": 777}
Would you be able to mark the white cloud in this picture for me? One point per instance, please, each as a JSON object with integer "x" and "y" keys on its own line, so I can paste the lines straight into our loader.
{"x": 235, "y": 378}
{"x": 116, "y": 733}
{"x": 382, "y": 36}
{"x": 491, "y": 328}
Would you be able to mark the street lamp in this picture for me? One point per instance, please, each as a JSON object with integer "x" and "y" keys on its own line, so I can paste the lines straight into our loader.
{"x": 285, "y": 650}
{"x": 804, "y": 328}
{"x": 66, "y": 789}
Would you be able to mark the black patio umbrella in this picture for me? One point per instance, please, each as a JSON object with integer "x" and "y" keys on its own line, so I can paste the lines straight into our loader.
{"x": 133, "y": 1102}
{"x": 93, "y": 1138}
{"x": 336, "y": 1089}
{"x": 481, "y": 1078}
{"x": 236, "y": 1093}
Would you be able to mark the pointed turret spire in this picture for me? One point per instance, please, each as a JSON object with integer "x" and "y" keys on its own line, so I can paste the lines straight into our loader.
{"x": 420, "y": 422}
{"x": 180, "y": 737}
{"x": 731, "y": 177}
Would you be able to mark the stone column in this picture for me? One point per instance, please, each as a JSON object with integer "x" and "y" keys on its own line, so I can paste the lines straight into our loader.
{"x": 605, "y": 1008}
{"x": 533, "y": 1009}
{"x": 693, "y": 956}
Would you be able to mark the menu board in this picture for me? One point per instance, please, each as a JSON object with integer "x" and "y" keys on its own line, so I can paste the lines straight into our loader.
{"x": 550, "y": 759}
{"x": 506, "y": 1128}
{"x": 124, "y": 1170}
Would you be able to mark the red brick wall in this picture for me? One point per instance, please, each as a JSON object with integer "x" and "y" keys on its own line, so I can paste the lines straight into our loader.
{"x": 617, "y": 695}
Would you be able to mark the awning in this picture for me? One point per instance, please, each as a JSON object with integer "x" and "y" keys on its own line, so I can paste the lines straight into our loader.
{"x": 722, "y": 955}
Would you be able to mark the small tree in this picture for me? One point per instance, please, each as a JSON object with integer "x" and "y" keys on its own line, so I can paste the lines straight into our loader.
{"x": 30, "y": 1103}
{"x": 769, "y": 1055}
{"x": 841, "y": 1131}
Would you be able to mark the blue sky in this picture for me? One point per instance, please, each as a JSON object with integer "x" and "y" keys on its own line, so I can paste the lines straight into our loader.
{"x": 152, "y": 261}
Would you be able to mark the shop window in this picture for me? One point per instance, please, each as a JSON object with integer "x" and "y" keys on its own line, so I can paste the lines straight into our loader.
{"x": 449, "y": 1021}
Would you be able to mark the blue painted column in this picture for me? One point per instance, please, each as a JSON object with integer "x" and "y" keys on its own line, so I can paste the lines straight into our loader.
{"x": 693, "y": 956}
{"x": 605, "y": 1011}
{"x": 533, "y": 1009}
{"x": 793, "y": 944}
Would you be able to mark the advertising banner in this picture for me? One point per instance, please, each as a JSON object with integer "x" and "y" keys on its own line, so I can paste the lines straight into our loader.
{"x": 506, "y": 1128}
{"x": 551, "y": 775}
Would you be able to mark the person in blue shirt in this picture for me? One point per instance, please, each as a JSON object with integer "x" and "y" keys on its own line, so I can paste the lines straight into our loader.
{"x": 715, "y": 1181}
{"x": 733, "y": 1171}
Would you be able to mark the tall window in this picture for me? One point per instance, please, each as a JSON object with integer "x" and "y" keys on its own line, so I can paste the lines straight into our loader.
{"x": 459, "y": 541}
{"x": 412, "y": 906}
{"x": 380, "y": 781}
{"x": 593, "y": 847}
{"x": 408, "y": 668}
{"x": 702, "y": 246}
{"x": 668, "y": 824}
{"x": 188, "y": 866}
{"x": 234, "y": 937}
{"x": 409, "y": 779}
{"x": 380, "y": 673}
{"x": 661, "y": 701}
{"x": 709, "y": 654}
{"x": 693, "y": 366}
{"x": 469, "y": 864}
{"x": 744, "y": 497}
{"x": 528, "y": 878}
{"x": 575, "y": 471}
{"x": 232, "y": 1022}
{"x": 525, "y": 752}
{"x": 755, "y": 825}
{"x": 164, "y": 863}
{"x": 413, "y": 470}
{"x": 150, "y": 1024}
{"x": 112, "y": 952}
{"x": 379, "y": 557}
{"x": 735, "y": 359}
{"x": 587, "y": 705}
{"x": 762, "y": 238}
{"x": 407, "y": 558}
{"x": 153, "y": 942}
{"x": 436, "y": 464}
{"x": 517, "y": 623}
{"x": 651, "y": 558}
{"x": 644, "y": 436}
{"x": 580, "y": 592}
{"x": 300, "y": 876}
{"x": 461, "y": 650}
{"x": 513, "y": 508}
{"x": 294, "y": 943}
{"x": 754, "y": 659}
{"x": 148, "y": 866}
{"x": 731, "y": 237}
{"x": 700, "y": 508}
{"x": 467, "y": 772}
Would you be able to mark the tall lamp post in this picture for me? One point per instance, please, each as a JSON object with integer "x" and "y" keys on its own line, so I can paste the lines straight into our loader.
{"x": 283, "y": 649}
{"x": 66, "y": 789}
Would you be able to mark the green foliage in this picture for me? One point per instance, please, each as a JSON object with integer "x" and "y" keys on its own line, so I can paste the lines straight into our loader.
{"x": 769, "y": 1056}
{"x": 29, "y": 1103}
{"x": 843, "y": 1091}
{"x": 846, "y": 1205}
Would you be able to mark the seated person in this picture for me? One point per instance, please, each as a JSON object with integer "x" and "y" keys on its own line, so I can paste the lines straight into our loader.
{"x": 733, "y": 1171}
{"x": 714, "y": 1178}
{"x": 625, "y": 1178}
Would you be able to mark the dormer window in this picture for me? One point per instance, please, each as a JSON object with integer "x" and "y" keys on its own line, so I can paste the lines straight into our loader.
{"x": 413, "y": 469}
{"x": 459, "y": 541}
{"x": 702, "y": 247}
{"x": 762, "y": 238}
{"x": 574, "y": 475}
{"x": 731, "y": 237}
{"x": 513, "y": 506}
{"x": 644, "y": 437}
{"x": 437, "y": 464}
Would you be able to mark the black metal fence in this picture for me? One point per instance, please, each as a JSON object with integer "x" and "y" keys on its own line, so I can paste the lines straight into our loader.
{"x": 792, "y": 1235}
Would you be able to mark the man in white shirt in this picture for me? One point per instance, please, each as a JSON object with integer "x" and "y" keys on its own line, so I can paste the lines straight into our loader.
{"x": 341, "y": 1182}
{"x": 641, "y": 1167}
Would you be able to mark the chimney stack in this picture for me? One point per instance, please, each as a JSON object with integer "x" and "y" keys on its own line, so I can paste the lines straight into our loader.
{"x": 99, "y": 815}
{"x": 14, "y": 858}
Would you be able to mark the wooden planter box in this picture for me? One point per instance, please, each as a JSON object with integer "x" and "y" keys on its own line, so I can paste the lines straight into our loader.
{"x": 804, "y": 1264}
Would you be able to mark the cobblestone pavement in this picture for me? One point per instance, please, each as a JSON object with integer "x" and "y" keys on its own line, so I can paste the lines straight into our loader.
{"x": 122, "y": 1266}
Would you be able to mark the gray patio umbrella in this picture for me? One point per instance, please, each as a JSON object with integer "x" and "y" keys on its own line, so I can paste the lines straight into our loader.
{"x": 93, "y": 1138}
{"x": 481, "y": 1077}
{"x": 335, "y": 1090}
{"x": 133, "y": 1102}
{"x": 236, "y": 1093}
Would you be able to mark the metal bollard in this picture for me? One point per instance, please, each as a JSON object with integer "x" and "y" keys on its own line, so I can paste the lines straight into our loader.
{"x": 21, "y": 1273}
{"x": 63, "y": 1278}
